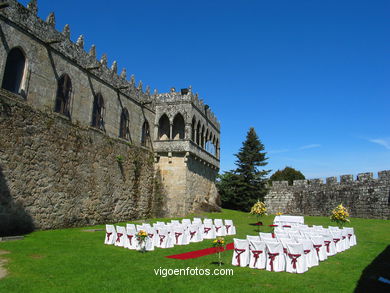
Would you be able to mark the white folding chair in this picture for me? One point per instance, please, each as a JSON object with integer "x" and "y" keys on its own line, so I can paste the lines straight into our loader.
{"x": 194, "y": 233}
{"x": 130, "y": 240}
{"x": 336, "y": 236}
{"x": 240, "y": 252}
{"x": 284, "y": 242}
{"x": 120, "y": 236}
{"x": 220, "y": 229}
{"x": 257, "y": 254}
{"x": 252, "y": 238}
{"x": 296, "y": 260}
{"x": 310, "y": 252}
{"x": 186, "y": 222}
{"x": 208, "y": 231}
{"x": 345, "y": 239}
{"x": 319, "y": 245}
{"x": 140, "y": 227}
{"x": 179, "y": 235}
{"x": 110, "y": 235}
{"x": 230, "y": 228}
{"x": 131, "y": 226}
{"x": 330, "y": 247}
{"x": 351, "y": 236}
{"x": 175, "y": 222}
{"x": 265, "y": 236}
{"x": 275, "y": 256}
{"x": 164, "y": 239}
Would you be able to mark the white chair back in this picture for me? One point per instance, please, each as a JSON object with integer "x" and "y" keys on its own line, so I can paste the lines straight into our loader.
{"x": 257, "y": 254}
{"x": 110, "y": 236}
{"x": 240, "y": 252}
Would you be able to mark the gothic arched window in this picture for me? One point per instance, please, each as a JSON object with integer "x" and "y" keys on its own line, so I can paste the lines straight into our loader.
{"x": 164, "y": 131}
{"x": 145, "y": 137}
{"x": 124, "y": 124}
{"x": 64, "y": 92}
{"x": 178, "y": 127}
{"x": 193, "y": 130}
{"x": 14, "y": 71}
{"x": 98, "y": 111}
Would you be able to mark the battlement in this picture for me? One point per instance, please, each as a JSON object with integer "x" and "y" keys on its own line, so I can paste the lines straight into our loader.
{"x": 344, "y": 179}
{"x": 186, "y": 95}
{"x": 26, "y": 18}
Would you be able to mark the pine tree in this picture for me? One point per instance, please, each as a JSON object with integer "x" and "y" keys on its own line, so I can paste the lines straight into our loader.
{"x": 242, "y": 187}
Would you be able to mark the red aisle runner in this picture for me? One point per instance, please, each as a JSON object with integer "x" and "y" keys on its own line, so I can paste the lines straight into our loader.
{"x": 199, "y": 253}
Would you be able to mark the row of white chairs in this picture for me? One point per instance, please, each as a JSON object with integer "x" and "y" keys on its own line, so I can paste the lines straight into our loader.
{"x": 294, "y": 253}
{"x": 163, "y": 235}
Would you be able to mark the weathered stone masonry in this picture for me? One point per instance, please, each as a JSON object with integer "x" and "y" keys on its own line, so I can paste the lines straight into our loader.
{"x": 365, "y": 198}
{"x": 61, "y": 112}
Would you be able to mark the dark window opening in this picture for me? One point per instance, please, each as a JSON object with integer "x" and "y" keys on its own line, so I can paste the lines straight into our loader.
{"x": 98, "y": 112}
{"x": 164, "y": 131}
{"x": 64, "y": 92}
{"x": 14, "y": 71}
{"x": 178, "y": 127}
{"x": 124, "y": 124}
{"x": 145, "y": 138}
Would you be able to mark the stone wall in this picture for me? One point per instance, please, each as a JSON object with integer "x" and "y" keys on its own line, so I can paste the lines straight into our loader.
{"x": 189, "y": 183}
{"x": 364, "y": 198}
{"x": 56, "y": 174}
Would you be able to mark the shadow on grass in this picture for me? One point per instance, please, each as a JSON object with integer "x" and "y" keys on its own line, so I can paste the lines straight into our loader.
{"x": 379, "y": 268}
{"x": 14, "y": 220}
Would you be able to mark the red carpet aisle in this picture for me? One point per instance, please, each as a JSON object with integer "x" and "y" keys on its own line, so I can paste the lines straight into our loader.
{"x": 199, "y": 253}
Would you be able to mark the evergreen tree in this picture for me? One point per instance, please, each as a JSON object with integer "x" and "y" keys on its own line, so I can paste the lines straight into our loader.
{"x": 242, "y": 187}
{"x": 289, "y": 174}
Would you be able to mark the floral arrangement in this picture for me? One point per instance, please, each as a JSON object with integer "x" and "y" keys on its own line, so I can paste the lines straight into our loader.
{"x": 219, "y": 243}
{"x": 259, "y": 209}
{"x": 279, "y": 214}
{"x": 340, "y": 215}
{"x": 141, "y": 237}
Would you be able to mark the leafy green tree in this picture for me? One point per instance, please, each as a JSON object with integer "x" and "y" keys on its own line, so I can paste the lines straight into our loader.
{"x": 289, "y": 174}
{"x": 241, "y": 188}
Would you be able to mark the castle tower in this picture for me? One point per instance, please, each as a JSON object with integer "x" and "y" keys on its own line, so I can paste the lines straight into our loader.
{"x": 186, "y": 147}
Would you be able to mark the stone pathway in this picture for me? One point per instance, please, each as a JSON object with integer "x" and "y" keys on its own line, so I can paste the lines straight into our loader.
{"x": 3, "y": 261}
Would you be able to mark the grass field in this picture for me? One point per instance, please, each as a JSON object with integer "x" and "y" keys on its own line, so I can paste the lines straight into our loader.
{"x": 72, "y": 260}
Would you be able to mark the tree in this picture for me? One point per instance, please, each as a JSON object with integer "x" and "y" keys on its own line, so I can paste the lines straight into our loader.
{"x": 243, "y": 187}
{"x": 289, "y": 174}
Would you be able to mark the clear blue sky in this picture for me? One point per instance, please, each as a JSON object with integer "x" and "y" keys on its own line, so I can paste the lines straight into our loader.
{"x": 311, "y": 76}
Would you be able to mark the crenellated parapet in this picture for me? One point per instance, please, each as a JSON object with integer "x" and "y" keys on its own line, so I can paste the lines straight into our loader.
{"x": 45, "y": 31}
{"x": 364, "y": 195}
{"x": 187, "y": 96}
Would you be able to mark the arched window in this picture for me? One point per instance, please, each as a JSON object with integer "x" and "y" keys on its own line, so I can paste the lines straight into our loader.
{"x": 124, "y": 125}
{"x": 198, "y": 134}
{"x": 164, "y": 129}
{"x": 178, "y": 127}
{"x": 14, "y": 71}
{"x": 193, "y": 130}
{"x": 217, "y": 149}
{"x": 98, "y": 111}
{"x": 64, "y": 91}
{"x": 206, "y": 141}
{"x": 202, "y": 137}
{"x": 145, "y": 137}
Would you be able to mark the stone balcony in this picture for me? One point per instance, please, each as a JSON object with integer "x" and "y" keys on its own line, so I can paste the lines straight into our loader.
{"x": 185, "y": 146}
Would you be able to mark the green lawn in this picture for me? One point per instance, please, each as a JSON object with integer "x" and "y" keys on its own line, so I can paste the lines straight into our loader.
{"x": 72, "y": 260}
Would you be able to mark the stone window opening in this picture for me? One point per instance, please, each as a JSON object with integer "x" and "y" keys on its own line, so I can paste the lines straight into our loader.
{"x": 98, "y": 111}
{"x": 64, "y": 93}
{"x": 198, "y": 134}
{"x": 124, "y": 124}
{"x": 178, "y": 127}
{"x": 193, "y": 130}
{"x": 202, "y": 138}
{"x": 145, "y": 136}
{"x": 14, "y": 73}
{"x": 164, "y": 128}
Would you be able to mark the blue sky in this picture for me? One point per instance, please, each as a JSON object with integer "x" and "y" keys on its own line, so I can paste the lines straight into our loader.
{"x": 311, "y": 76}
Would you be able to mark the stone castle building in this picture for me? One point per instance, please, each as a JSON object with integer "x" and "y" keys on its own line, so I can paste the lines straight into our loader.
{"x": 81, "y": 144}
